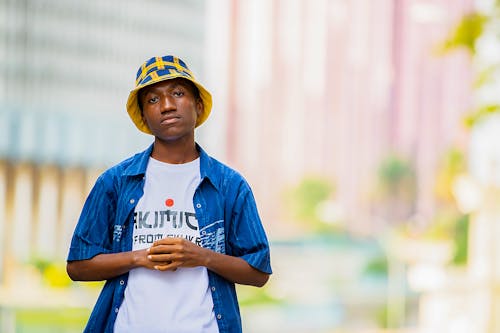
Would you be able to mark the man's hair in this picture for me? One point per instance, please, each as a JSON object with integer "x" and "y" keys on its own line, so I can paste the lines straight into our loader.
{"x": 194, "y": 89}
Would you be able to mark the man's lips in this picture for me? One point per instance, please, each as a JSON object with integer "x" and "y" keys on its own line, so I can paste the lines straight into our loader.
{"x": 169, "y": 120}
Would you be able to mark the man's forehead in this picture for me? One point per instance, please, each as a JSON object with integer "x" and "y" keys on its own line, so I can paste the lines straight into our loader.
{"x": 172, "y": 83}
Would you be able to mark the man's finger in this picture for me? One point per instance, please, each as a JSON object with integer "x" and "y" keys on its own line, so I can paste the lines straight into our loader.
{"x": 172, "y": 266}
{"x": 160, "y": 257}
{"x": 167, "y": 241}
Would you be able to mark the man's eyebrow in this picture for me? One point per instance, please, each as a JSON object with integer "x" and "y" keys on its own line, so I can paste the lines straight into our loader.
{"x": 180, "y": 83}
{"x": 173, "y": 86}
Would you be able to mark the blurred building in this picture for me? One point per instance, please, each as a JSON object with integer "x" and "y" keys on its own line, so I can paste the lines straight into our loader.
{"x": 331, "y": 87}
{"x": 326, "y": 87}
{"x": 65, "y": 71}
{"x": 300, "y": 87}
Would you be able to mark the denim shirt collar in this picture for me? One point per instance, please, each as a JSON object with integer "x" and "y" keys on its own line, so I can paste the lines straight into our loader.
{"x": 139, "y": 163}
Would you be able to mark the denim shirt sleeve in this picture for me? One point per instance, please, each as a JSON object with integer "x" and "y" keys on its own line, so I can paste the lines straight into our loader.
{"x": 92, "y": 233}
{"x": 246, "y": 237}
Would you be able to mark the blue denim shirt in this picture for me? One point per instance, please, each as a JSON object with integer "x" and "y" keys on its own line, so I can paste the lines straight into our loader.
{"x": 228, "y": 223}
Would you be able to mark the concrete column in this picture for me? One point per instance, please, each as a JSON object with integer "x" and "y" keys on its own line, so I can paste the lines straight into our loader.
{"x": 3, "y": 217}
{"x": 22, "y": 214}
{"x": 72, "y": 193}
{"x": 47, "y": 214}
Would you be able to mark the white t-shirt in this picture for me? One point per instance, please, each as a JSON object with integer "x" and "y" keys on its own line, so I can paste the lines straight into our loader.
{"x": 172, "y": 301}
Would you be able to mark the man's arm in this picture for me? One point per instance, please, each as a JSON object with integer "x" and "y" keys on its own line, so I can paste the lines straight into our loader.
{"x": 166, "y": 254}
{"x": 171, "y": 253}
{"x": 107, "y": 266}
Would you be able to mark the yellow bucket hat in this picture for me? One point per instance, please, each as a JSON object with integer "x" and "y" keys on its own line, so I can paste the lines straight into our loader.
{"x": 159, "y": 69}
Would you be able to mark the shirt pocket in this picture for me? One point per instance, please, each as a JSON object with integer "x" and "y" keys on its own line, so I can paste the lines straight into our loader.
{"x": 212, "y": 236}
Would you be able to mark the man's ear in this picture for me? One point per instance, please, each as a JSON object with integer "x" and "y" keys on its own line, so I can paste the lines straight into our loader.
{"x": 140, "y": 100}
{"x": 199, "y": 107}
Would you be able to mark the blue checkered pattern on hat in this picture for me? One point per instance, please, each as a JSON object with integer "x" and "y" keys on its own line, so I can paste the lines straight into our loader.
{"x": 158, "y": 67}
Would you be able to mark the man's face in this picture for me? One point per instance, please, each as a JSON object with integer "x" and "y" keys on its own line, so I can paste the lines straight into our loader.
{"x": 170, "y": 109}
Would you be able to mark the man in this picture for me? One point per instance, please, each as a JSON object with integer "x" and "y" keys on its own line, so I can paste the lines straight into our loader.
{"x": 171, "y": 229}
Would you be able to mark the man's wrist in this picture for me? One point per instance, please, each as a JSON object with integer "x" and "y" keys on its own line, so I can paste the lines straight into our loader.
{"x": 138, "y": 259}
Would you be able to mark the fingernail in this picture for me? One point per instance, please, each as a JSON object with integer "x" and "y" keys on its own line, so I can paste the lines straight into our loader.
{"x": 156, "y": 267}
{"x": 149, "y": 257}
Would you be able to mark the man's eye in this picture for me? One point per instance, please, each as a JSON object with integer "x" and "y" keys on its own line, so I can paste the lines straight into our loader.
{"x": 178, "y": 93}
{"x": 153, "y": 100}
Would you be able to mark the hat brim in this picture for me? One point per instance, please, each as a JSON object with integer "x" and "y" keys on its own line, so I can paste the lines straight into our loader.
{"x": 135, "y": 112}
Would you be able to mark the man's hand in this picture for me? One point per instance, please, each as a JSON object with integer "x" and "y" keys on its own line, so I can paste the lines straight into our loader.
{"x": 171, "y": 253}
{"x": 168, "y": 254}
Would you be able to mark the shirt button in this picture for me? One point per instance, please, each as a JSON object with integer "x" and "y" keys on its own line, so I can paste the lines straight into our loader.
{"x": 132, "y": 201}
{"x": 213, "y": 288}
{"x": 122, "y": 282}
{"x": 219, "y": 316}
{"x": 198, "y": 205}
{"x": 116, "y": 310}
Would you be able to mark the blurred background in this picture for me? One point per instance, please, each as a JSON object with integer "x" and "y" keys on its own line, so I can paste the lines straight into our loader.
{"x": 368, "y": 130}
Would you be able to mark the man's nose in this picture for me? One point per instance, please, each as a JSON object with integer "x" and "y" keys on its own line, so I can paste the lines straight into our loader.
{"x": 167, "y": 104}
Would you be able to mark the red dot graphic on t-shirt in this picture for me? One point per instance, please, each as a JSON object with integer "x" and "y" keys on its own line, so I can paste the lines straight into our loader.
{"x": 169, "y": 202}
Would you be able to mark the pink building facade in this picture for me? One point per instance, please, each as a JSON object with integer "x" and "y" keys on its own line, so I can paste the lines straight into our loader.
{"x": 331, "y": 88}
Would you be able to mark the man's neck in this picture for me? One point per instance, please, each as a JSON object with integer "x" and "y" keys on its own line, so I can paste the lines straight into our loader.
{"x": 175, "y": 152}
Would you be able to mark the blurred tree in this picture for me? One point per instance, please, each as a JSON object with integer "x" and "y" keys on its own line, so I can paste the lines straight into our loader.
{"x": 53, "y": 272}
{"x": 466, "y": 35}
{"x": 474, "y": 28}
{"x": 452, "y": 165}
{"x": 448, "y": 224}
{"x": 396, "y": 175}
{"x": 395, "y": 191}
{"x": 306, "y": 197}
{"x": 461, "y": 238}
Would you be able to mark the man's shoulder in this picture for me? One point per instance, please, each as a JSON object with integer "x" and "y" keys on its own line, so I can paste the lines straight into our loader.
{"x": 224, "y": 177}
{"x": 221, "y": 169}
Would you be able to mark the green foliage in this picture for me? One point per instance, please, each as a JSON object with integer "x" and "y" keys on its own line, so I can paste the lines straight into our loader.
{"x": 40, "y": 263}
{"x": 309, "y": 193}
{"x": 455, "y": 162}
{"x": 394, "y": 170}
{"x": 303, "y": 200}
{"x": 251, "y": 296}
{"x": 55, "y": 275}
{"x": 53, "y": 272}
{"x": 466, "y": 33}
{"x": 475, "y": 117}
{"x": 67, "y": 320}
{"x": 455, "y": 226}
{"x": 381, "y": 315}
{"x": 451, "y": 166}
{"x": 449, "y": 222}
{"x": 448, "y": 225}
{"x": 486, "y": 75}
{"x": 394, "y": 194}
{"x": 442, "y": 227}
{"x": 396, "y": 178}
{"x": 461, "y": 240}
{"x": 377, "y": 266}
